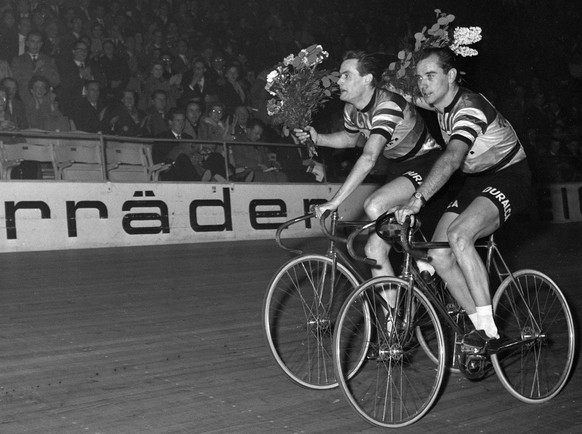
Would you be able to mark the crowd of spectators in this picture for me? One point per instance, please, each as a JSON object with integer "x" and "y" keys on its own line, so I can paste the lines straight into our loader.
{"x": 196, "y": 69}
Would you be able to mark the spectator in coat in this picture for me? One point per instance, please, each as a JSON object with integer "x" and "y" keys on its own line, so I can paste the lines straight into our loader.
{"x": 34, "y": 63}
{"x": 89, "y": 111}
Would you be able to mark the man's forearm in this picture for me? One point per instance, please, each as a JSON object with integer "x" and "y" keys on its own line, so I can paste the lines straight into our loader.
{"x": 361, "y": 169}
{"x": 337, "y": 140}
{"x": 438, "y": 176}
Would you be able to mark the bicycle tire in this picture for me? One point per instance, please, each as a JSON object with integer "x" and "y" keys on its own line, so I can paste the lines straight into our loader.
{"x": 397, "y": 383}
{"x": 299, "y": 314}
{"x": 531, "y": 307}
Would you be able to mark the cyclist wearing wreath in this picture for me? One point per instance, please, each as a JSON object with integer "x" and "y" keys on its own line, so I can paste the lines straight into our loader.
{"x": 393, "y": 130}
{"x": 485, "y": 147}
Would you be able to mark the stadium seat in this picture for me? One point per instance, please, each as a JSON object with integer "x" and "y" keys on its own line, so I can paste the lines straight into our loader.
{"x": 12, "y": 155}
{"x": 132, "y": 162}
{"x": 79, "y": 160}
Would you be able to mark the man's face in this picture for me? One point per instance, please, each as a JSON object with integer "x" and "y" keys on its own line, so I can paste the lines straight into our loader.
{"x": 351, "y": 83}
{"x": 198, "y": 68}
{"x": 11, "y": 88}
{"x": 193, "y": 113}
{"x": 177, "y": 122}
{"x": 93, "y": 92}
{"x": 128, "y": 100}
{"x": 433, "y": 81}
{"x": 33, "y": 44}
{"x": 160, "y": 102}
{"x": 39, "y": 89}
{"x": 80, "y": 52}
{"x": 24, "y": 26}
{"x": 232, "y": 74}
{"x": 242, "y": 114}
{"x": 255, "y": 133}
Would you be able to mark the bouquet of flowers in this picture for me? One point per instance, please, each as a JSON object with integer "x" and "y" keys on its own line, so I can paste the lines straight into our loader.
{"x": 299, "y": 89}
{"x": 401, "y": 75}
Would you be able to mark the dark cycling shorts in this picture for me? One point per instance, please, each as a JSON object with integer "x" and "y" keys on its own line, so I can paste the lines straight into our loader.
{"x": 415, "y": 169}
{"x": 509, "y": 190}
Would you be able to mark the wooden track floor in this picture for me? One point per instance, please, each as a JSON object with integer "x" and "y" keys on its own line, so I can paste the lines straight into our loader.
{"x": 168, "y": 339}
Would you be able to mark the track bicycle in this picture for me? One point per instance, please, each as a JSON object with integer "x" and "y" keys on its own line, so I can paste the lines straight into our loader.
{"x": 392, "y": 374}
{"x": 302, "y": 302}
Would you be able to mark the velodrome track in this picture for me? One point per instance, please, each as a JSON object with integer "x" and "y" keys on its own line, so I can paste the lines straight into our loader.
{"x": 168, "y": 339}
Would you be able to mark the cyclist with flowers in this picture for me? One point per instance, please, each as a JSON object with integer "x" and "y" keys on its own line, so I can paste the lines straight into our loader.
{"x": 485, "y": 147}
{"x": 393, "y": 130}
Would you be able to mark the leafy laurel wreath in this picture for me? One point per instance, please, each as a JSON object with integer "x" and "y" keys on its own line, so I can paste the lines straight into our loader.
{"x": 401, "y": 74}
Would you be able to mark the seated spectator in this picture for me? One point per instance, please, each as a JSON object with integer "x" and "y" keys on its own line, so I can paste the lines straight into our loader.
{"x": 126, "y": 119}
{"x": 34, "y": 63}
{"x": 240, "y": 121}
{"x": 258, "y": 160}
{"x": 212, "y": 126}
{"x": 42, "y": 110}
{"x": 70, "y": 37}
{"x": 14, "y": 106}
{"x": 5, "y": 70}
{"x": 182, "y": 63}
{"x": 193, "y": 115}
{"x": 179, "y": 154}
{"x": 157, "y": 81}
{"x": 196, "y": 85}
{"x": 6, "y": 121}
{"x": 89, "y": 112}
{"x": 76, "y": 71}
{"x": 155, "y": 121}
{"x": 9, "y": 41}
{"x": 97, "y": 36}
{"x": 231, "y": 93}
{"x": 114, "y": 71}
{"x": 52, "y": 41}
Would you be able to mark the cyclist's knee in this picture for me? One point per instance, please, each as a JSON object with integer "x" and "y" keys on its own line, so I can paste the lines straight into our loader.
{"x": 459, "y": 239}
{"x": 374, "y": 207}
{"x": 377, "y": 248}
{"x": 442, "y": 259}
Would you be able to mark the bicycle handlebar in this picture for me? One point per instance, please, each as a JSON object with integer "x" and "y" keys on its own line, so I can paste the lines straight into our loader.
{"x": 285, "y": 226}
{"x": 369, "y": 261}
{"x": 418, "y": 250}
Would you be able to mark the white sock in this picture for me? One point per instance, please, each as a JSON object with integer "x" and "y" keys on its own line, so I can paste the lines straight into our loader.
{"x": 486, "y": 322}
{"x": 474, "y": 317}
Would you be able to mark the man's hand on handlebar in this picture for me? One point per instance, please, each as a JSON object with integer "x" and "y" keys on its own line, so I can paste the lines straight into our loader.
{"x": 319, "y": 210}
{"x": 410, "y": 209}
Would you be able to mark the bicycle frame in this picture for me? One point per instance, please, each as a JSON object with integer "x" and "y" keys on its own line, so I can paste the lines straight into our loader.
{"x": 332, "y": 251}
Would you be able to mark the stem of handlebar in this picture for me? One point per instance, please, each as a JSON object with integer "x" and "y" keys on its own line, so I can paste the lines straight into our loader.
{"x": 406, "y": 237}
{"x": 326, "y": 232}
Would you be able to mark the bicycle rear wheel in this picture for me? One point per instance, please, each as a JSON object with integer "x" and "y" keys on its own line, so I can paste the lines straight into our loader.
{"x": 531, "y": 308}
{"x": 300, "y": 311}
{"x": 398, "y": 381}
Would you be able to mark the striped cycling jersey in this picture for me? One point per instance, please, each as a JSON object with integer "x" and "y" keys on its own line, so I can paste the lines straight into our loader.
{"x": 391, "y": 116}
{"x": 492, "y": 141}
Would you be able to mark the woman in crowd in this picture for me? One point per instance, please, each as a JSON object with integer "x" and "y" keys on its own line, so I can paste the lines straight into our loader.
{"x": 42, "y": 110}
{"x": 126, "y": 118}
{"x": 157, "y": 81}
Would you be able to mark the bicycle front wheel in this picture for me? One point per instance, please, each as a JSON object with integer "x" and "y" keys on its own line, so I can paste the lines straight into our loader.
{"x": 398, "y": 381}
{"x": 531, "y": 308}
{"x": 300, "y": 310}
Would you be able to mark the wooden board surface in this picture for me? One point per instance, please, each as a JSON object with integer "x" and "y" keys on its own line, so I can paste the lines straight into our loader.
{"x": 168, "y": 339}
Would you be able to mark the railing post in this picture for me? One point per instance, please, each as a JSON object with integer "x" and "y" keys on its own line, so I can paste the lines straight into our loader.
{"x": 103, "y": 157}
